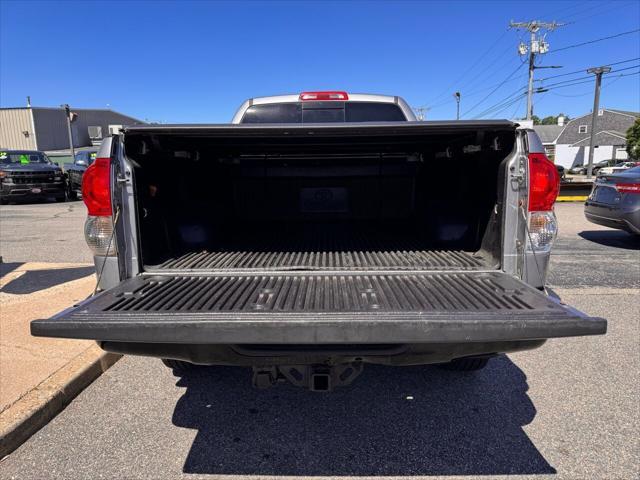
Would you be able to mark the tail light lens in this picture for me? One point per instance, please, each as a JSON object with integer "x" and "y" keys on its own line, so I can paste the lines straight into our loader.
{"x": 332, "y": 95}
{"x": 544, "y": 183}
{"x": 543, "y": 229}
{"x": 98, "y": 233}
{"x": 628, "y": 187}
{"x": 544, "y": 186}
{"x": 96, "y": 194}
{"x": 96, "y": 187}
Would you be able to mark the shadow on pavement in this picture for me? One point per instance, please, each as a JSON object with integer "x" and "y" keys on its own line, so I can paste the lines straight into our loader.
{"x": 8, "y": 267}
{"x": 612, "y": 238}
{"x": 456, "y": 424}
{"x": 36, "y": 280}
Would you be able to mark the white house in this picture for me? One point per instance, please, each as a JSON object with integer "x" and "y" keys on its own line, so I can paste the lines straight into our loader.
{"x": 572, "y": 144}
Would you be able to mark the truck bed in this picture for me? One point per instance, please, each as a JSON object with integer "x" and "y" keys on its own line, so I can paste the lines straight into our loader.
{"x": 323, "y": 247}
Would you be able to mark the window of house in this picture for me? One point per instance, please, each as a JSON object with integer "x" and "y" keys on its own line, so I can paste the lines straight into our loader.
{"x": 582, "y": 129}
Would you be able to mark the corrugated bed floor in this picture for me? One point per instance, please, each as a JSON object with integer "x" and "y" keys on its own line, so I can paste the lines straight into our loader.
{"x": 323, "y": 248}
{"x": 477, "y": 291}
{"x": 325, "y": 260}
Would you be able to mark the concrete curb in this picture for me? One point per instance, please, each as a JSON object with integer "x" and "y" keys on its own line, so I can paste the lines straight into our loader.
{"x": 572, "y": 198}
{"x": 34, "y": 410}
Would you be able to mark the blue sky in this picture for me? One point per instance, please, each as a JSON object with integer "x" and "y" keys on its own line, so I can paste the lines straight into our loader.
{"x": 197, "y": 61}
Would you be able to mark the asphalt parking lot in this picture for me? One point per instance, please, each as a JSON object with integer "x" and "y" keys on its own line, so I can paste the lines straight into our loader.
{"x": 566, "y": 410}
{"x": 44, "y": 232}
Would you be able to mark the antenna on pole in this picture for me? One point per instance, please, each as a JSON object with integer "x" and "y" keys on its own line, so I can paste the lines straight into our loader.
{"x": 537, "y": 46}
{"x": 421, "y": 112}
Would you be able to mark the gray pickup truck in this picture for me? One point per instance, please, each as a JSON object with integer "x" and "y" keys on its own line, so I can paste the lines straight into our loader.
{"x": 317, "y": 233}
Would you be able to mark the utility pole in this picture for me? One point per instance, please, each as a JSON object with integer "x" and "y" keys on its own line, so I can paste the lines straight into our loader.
{"x": 457, "y": 97}
{"x": 597, "y": 71}
{"x": 67, "y": 112}
{"x": 537, "y": 46}
{"x": 421, "y": 112}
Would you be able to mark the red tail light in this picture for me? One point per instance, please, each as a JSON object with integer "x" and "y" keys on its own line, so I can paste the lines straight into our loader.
{"x": 628, "y": 187}
{"x": 96, "y": 187}
{"x": 333, "y": 95}
{"x": 544, "y": 183}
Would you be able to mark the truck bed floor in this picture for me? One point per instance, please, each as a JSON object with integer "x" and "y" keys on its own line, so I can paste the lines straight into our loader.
{"x": 323, "y": 248}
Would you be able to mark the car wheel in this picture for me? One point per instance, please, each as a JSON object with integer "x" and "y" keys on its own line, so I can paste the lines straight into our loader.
{"x": 469, "y": 364}
{"x": 72, "y": 194}
{"x": 178, "y": 366}
{"x": 3, "y": 201}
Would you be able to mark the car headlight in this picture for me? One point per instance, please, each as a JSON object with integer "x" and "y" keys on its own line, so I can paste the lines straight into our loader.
{"x": 57, "y": 179}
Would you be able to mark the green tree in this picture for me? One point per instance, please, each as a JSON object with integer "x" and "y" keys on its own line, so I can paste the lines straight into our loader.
{"x": 551, "y": 120}
{"x": 633, "y": 140}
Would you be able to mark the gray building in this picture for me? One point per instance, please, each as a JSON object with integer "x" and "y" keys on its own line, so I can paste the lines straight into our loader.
{"x": 43, "y": 128}
{"x": 572, "y": 145}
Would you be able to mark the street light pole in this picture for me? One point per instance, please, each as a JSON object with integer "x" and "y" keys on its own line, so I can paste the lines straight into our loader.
{"x": 67, "y": 112}
{"x": 597, "y": 71}
{"x": 457, "y": 95}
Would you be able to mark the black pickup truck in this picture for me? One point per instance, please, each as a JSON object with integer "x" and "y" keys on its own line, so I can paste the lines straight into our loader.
{"x": 76, "y": 170}
{"x": 29, "y": 175}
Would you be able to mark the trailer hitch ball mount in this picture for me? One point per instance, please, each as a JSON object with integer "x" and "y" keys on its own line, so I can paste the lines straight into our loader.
{"x": 317, "y": 378}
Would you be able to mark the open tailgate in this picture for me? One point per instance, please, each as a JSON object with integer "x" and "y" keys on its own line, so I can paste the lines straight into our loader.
{"x": 323, "y": 307}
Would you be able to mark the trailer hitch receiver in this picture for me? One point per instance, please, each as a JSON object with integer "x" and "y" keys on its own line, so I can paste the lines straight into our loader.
{"x": 317, "y": 378}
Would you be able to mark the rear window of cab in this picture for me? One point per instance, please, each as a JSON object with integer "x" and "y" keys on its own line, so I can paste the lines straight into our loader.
{"x": 323, "y": 112}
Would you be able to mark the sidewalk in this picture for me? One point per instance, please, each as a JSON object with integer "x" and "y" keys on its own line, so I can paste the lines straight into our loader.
{"x": 29, "y": 291}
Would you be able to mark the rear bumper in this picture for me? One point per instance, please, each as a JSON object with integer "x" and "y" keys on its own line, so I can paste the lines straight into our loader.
{"x": 269, "y": 355}
{"x": 627, "y": 219}
{"x": 26, "y": 191}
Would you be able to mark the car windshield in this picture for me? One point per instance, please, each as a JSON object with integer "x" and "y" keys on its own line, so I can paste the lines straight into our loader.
{"x": 323, "y": 112}
{"x": 22, "y": 158}
{"x": 87, "y": 157}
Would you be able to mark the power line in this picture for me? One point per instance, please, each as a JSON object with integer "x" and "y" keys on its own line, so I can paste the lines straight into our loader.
{"x": 596, "y": 40}
{"x": 612, "y": 80}
{"x": 473, "y": 93}
{"x": 586, "y": 76}
{"x": 517, "y": 108}
{"x": 588, "y": 10}
{"x": 582, "y": 70}
{"x": 510, "y": 104}
{"x": 494, "y": 90}
{"x": 453, "y": 84}
{"x": 509, "y": 97}
{"x": 588, "y": 81}
{"x": 499, "y": 103}
{"x": 507, "y": 102}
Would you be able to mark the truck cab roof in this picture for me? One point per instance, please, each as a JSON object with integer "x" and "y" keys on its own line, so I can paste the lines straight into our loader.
{"x": 398, "y": 110}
